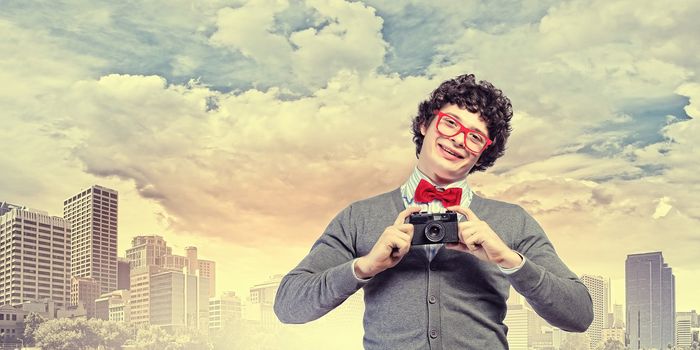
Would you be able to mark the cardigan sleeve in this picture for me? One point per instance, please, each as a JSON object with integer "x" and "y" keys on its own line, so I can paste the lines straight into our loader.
{"x": 554, "y": 291}
{"x": 324, "y": 279}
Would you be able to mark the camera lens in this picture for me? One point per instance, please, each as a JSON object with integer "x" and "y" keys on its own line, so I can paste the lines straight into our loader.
{"x": 434, "y": 232}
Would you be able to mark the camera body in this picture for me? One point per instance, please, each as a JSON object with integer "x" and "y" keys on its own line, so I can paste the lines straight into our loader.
{"x": 434, "y": 228}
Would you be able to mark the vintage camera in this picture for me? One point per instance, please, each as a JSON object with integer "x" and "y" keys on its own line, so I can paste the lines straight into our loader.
{"x": 433, "y": 228}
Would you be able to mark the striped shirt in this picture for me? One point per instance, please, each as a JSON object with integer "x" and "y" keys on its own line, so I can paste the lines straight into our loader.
{"x": 408, "y": 190}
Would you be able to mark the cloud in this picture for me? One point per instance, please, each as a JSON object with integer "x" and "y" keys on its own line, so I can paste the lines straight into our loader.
{"x": 342, "y": 36}
{"x": 253, "y": 161}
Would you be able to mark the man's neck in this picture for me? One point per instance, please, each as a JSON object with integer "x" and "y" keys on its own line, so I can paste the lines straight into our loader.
{"x": 438, "y": 181}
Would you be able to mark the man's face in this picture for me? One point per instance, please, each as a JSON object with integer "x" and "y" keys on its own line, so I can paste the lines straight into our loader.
{"x": 435, "y": 158}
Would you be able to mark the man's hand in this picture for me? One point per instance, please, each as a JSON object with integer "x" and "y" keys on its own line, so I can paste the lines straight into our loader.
{"x": 477, "y": 238}
{"x": 390, "y": 248}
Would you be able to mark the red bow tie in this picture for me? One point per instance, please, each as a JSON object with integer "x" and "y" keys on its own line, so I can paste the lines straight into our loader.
{"x": 426, "y": 193}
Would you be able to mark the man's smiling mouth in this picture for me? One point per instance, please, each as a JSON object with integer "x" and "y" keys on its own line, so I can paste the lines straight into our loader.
{"x": 449, "y": 151}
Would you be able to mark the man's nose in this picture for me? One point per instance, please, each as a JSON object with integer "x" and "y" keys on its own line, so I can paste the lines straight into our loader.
{"x": 458, "y": 139}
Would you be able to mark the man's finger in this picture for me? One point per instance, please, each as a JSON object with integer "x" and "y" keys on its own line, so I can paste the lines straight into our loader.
{"x": 464, "y": 211}
{"x": 473, "y": 241}
{"x": 404, "y": 214}
{"x": 406, "y": 229}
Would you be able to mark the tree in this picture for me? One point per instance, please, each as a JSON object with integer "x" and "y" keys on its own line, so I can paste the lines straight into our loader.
{"x": 60, "y": 334}
{"x": 31, "y": 324}
{"x": 612, "y": 344}
{"x": 150, "y": 338}
{"x": 110, "y": 334}
{"x": 575, "y": 341}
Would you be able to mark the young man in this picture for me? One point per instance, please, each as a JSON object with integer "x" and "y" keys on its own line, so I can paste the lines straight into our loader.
{"x": 450, "y": 296}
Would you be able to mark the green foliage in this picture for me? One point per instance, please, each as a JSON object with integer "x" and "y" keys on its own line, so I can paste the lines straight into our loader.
{"x": 155, "y": 338}
{"x": 612, "y": 344}
{"x": 31, "y": 324}
{"x": 81, "y": 334}
{"x": 575, "y": 341}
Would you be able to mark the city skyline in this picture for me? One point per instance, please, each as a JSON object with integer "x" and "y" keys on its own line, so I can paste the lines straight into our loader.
{"x": 244, "y": 128}
{"x": 616, "y": 289}
{"x": 175, "y": 271}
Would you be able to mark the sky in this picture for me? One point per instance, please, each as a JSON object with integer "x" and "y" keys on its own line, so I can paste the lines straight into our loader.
{"x": 244, "y": 127}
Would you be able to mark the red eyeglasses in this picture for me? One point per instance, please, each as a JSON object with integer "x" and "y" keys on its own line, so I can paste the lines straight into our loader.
{"x": 448, "y": 126}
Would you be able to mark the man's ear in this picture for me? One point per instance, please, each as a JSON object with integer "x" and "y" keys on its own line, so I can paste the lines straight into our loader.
{"x": 423, "y": 129}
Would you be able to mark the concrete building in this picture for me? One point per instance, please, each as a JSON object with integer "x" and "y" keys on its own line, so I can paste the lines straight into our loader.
{"x": 650, "y": 291}
{"x": 518, "y": 320}
{"x": 6, "y": 207}
{"x": 224, "y": 311}
{"x": 207, "y": 269}
{"x": 11, "y": 324}
{"x": 193, "y": 265}
{"x": 616, "y": 318}
{"x": 598, "y": 288}
{"x": 84, "y": 291}
{"x": 93, "y": 215}
{"x": 113, "y": 306}
{"x": 46, "y": 308}
{"x": 35, "y": 252}
{"x": 179, "y": 301}
{"x": 123, "y": 274}
{"x": 617, "y": 334}
{"x": 145, "y": 259}
{"x": 684, "y": 337}
{"x": 151, "y": 261}
{"x": 260, "y": 303}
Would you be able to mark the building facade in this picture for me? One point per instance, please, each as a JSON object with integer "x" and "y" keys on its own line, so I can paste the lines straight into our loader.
{"x": 93, "y": 215}
{"x": 598, "y": 289}
{"x": 35, "y": 252}
{"x": 145, "y": 259}
{"x": 84, "y": 291}
{"x": 224, "y": 311}
{"x": 123, "y": 274}
{"x": 650, "y": 301}
{"x": 684, "y": 323}
{"x": 179, "y": 301}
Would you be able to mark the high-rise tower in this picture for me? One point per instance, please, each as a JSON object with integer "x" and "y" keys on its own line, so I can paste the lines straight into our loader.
{"x": 93, "y": 215}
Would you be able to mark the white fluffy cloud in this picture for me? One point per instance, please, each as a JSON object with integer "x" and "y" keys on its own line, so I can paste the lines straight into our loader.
{"x": 343, "y": 36}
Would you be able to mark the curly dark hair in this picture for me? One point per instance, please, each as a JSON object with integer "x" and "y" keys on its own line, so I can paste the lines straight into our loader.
{"x": 481, "y": 98}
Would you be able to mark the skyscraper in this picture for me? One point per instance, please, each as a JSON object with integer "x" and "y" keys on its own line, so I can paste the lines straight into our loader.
{"x": 35, "y": 251}
{"x": 93, "y": 215}
{"x": 650, "y": 300}
{"x": 145, "y": 259}
{"x": 598, "y": 288}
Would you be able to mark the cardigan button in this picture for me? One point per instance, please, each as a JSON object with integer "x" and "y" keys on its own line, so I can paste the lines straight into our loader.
{"x": 433, "y": 333}
{"x": 432, "y": 299}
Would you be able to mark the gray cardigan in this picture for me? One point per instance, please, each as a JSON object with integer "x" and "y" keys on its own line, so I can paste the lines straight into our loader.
{"x": 454, "y": 301}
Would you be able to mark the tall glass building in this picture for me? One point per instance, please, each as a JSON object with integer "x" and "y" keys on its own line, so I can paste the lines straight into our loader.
{"x": 650, "y": 291}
